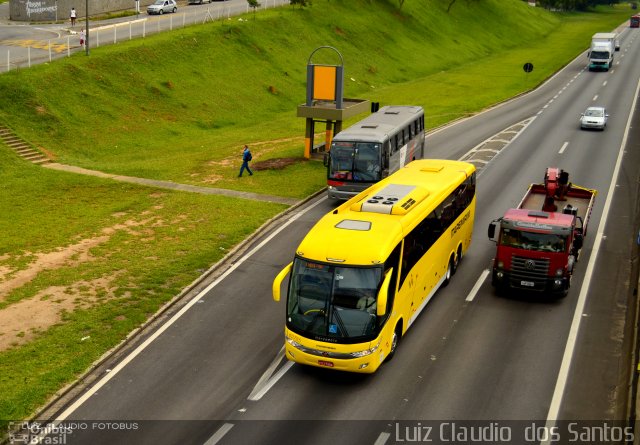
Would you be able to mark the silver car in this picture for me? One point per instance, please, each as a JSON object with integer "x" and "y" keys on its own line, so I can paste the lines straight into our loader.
{"x": 594, "y": 117}
{"x": 162, "y": 6}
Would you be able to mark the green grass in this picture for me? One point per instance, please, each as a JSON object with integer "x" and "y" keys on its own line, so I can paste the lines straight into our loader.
{"x": 179, "y": 106}
{"x": 167, "y": 114}
{"x": 158, "y": 242}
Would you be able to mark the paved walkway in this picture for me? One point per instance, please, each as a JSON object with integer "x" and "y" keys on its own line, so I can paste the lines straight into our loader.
{"x": 4, "y": 13}
{"x": 174, "y": 186}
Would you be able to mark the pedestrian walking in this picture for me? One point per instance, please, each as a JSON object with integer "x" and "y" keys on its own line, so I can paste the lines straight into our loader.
{"x": 82, "y": 37}
{"x": 73, "y": 16}
{"x": 246, "y": 157}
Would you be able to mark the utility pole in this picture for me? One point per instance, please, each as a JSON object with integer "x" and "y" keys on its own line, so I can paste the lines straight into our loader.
{"x": 86, "y": 21}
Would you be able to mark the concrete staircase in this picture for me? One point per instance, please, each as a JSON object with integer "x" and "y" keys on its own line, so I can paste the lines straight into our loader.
{"x": 22, "y": 148}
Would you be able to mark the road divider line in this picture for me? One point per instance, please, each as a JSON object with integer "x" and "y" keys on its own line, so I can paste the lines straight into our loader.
{"x": 563, "y": 147}
{"x": 476, "y": 287}
{"x": 267, "y": 375}
{"x": 116, "y": 25}
{"x": 382, "y": 439}
{"x": 563, "y": 373}
{"x": 222, "y": 431}
{"x": 269, "y": 384}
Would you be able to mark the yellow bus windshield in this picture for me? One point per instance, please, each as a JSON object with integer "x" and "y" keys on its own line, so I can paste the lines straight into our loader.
{"x": 333, "y": 302}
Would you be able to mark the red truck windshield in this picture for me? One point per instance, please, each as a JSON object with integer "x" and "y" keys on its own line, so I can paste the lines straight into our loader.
{"x": 544, "y": 242}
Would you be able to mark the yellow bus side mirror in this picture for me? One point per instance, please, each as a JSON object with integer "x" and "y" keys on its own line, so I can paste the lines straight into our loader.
{"x": 383, "y": 295}
{"x": 277, "y": 282}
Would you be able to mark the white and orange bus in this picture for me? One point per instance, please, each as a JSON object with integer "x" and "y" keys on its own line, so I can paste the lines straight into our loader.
{"x": 365, "y": 271}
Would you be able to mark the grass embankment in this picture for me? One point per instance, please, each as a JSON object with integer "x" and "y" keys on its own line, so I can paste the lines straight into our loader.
{"x": 84, "y": 260}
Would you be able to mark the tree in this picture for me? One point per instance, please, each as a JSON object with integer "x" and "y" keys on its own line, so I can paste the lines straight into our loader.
{"x": 301, "y": 3}
{"x": 572, "y": 5}
{"x": 255, "y": 5}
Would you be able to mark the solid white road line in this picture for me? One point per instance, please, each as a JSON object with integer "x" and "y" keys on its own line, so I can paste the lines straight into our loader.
{"x": 176, "y": 316}
{"x": 563, "y": 374}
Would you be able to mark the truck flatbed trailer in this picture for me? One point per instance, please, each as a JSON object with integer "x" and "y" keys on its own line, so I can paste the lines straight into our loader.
{"x": 576, "y": 197}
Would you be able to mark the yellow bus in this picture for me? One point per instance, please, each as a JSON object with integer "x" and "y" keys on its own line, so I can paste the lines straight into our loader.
{"x": 365, "y": 271}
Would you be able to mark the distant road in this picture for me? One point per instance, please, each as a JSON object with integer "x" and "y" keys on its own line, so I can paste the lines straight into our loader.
{"x": 23, "y": 44}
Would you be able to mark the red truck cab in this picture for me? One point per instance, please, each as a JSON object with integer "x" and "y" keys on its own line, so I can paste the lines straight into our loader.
{"x": 539, "y": 242}
{"x": 536, "y": 251}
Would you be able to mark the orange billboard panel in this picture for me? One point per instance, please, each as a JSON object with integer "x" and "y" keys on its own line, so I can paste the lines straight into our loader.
{"x": 324, "y": 82}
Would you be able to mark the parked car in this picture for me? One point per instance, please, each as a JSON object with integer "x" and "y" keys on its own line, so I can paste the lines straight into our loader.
{"x": 594, "y": 117}
{"x": 197, "y": 2}
{"x": 162, "y": 6}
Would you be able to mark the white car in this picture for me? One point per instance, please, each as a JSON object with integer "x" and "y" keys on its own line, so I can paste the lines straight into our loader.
{"x": 594, "y": 117}
{"x": 162, "y": 6}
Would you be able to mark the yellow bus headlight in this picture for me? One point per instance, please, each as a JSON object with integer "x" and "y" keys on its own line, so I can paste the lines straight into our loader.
{"x": 292, "y": 342}
{"x": 366, "y": 352}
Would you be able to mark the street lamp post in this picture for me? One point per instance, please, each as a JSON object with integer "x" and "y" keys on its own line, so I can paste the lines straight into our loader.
{"x": 86, "y": 21}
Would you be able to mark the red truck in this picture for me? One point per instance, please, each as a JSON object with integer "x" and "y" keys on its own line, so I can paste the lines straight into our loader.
{"x": 634, "y": 21}
{"x": 539, "y": 242}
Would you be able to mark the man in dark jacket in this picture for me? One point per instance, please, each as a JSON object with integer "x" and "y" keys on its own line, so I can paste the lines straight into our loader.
{"x": 246, "y": 157}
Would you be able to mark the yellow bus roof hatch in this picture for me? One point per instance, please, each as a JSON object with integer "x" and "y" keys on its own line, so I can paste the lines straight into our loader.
{"x": 394, "y": 199}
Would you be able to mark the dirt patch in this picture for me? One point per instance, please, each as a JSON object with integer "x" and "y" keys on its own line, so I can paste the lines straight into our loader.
{"x": 74, "y": 254}
{"x": 223, "y": 163}
{"x": 276, "y": 163}
{"x": 22, "y": 321}
{"x": 256, "y": 164}
{"x": 49, "y": 154}
{"x": 212, "y": 179}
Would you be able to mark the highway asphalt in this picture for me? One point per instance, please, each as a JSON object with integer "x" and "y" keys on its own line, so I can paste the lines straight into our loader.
{"x": 195, "y": 374}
